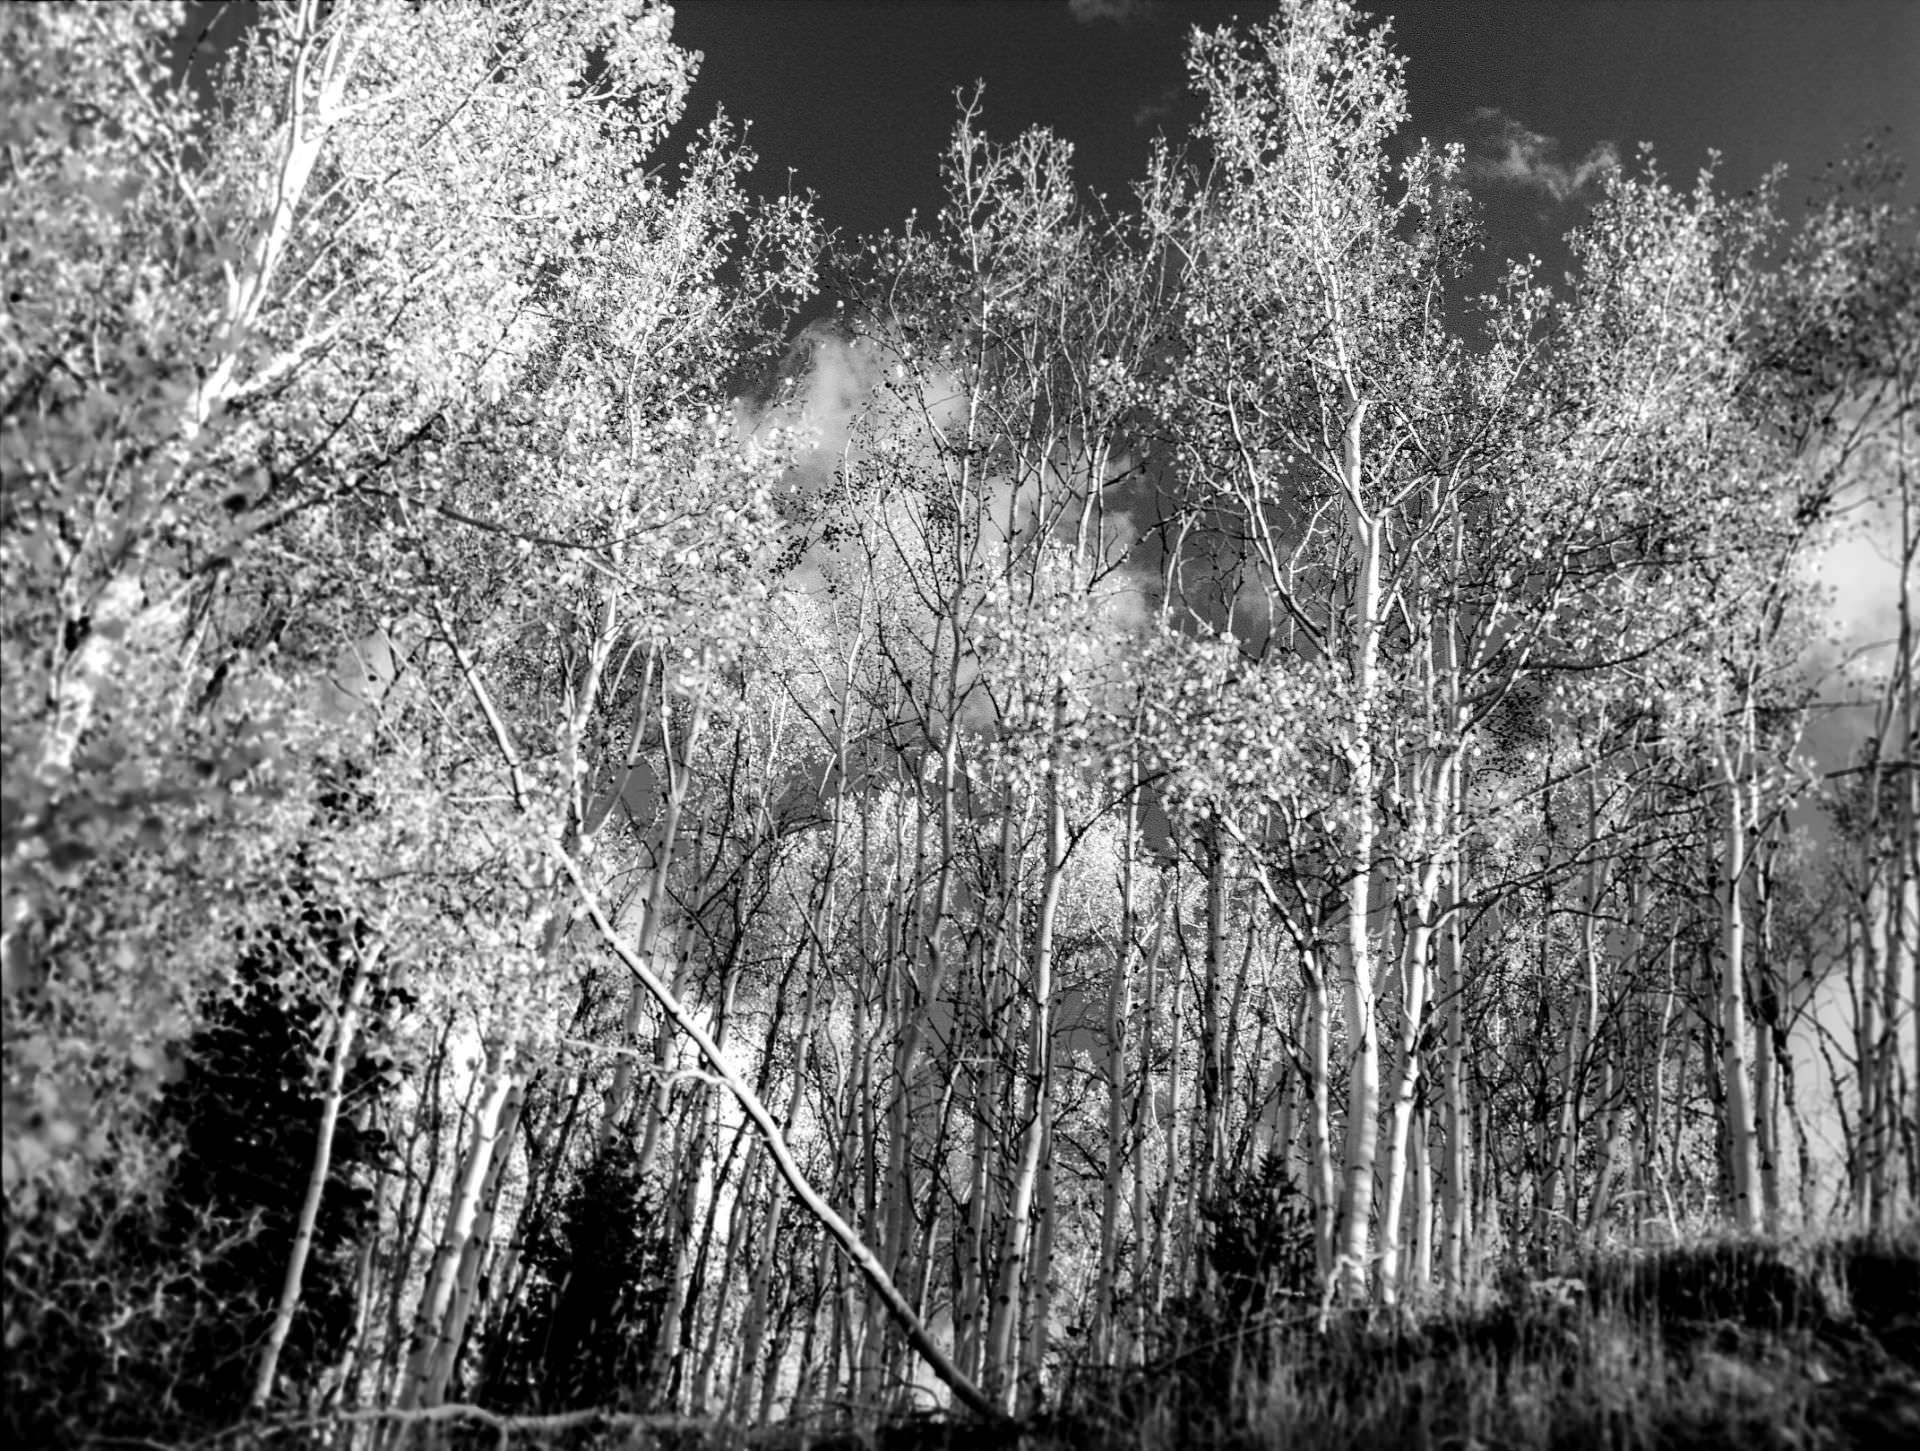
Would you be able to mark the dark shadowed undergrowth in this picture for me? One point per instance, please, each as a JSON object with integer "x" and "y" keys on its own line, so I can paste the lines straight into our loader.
{"x": 1738, "y": 1345}
{"x": 1724, "y": 1344}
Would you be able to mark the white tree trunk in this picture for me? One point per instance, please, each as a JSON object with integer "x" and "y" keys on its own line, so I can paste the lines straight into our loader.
{"x": 344, "y": 1029}
{"x": 1001, "y": 1357}
{"x": 1363, "y": 1045}
{"x": 473, "y": 1253}
{"x": 1118, "y": 1150}
{"x": 1456, "y": 1190}
{"x": 431, "y": 1321}
{"x": 1416, "y": 981}
{"x": 1733, "y": 1018}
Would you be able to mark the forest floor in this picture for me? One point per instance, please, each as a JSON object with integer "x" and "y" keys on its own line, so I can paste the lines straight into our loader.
{"x": 1728, "y": 1345}
{"x": 1724, "y": 1346}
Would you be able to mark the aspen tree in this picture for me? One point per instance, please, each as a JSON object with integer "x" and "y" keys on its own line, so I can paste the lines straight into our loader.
{"x": 1286, "y": 368}
{"x": 339, "y": 1053}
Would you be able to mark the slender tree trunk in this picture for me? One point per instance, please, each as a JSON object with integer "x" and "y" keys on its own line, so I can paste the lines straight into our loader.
{"x": 1560, "y": 1143}
{"x": 759, "y": 1295}
{"x": 1419, "y": 1279}
{"x": 1001, "y": 1361}
{"x": 410, "y": 1214}
{"x": 1320, "y": 1179}
{"x": 1617, "y": 1073}
{"x": 1145, "y": 1124}
{"x": 776, "y": 1354}
{"x": 1733, "y": 1018}
{"x": 1457, "y": 1195}
{"x": 1766, "y": 1127}
{"x": 473, "y": 1252}
{"x": 970, "y": 1240}
{"x": 1600, "y": 1203}
{"x": 1119, "y": 1013}
{"x": 693, "y": 1164}
{"x": 733, "y": 1250}
{"x": 1363, "y": 1044}
{"x": 1907, "y": 946}
{"x": 924, "y": 986}
{"x": 1658, "y": 1165}
{"x": 1889, "y": 1130}
{"x": 1488, "y": 1232}
{"x": 1864, "y": 963}
{"x": 344, "y": 1029}
{"x": 1210, "y": 1142}
{"x": 1415, "y": 976}
{"x": 353, "y": 1364}
{"x": 1769, "y": 1045}
{"x": 430, "y": 1323}
{"x": 1039, "y": 1299}
{"x": 1164, "y": 1252}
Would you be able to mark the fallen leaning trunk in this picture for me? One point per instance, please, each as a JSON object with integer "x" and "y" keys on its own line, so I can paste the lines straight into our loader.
{"x": 964, "y": 1390}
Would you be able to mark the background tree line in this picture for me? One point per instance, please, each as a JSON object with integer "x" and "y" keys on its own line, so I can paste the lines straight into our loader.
{"x": 553, "y": 860}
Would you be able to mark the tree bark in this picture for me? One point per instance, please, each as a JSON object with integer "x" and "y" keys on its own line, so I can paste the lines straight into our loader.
{"x": 1119, "y": 1014}
{"x": 1353, "y": 1263}
{"x": 343, "y": 1034}
{"x": 1456, "y": 1191}
{"x": 473, "y": 1252}
{"x": 430, "y": 1324}
{"x": 1733, "y": 1016}
{"x": 1001, "y": 1360}
{"x": 1415, "y": 979}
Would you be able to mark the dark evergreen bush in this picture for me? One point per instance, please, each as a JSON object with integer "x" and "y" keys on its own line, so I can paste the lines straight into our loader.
{"x": 592, "y": 1320}
{"x": 246, "y": 1115}
{"x": 1258, "y": 1241}
{"x": 143, "y": 1314}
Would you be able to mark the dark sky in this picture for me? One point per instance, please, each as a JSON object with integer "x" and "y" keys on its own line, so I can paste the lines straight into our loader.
{"x": 856, "y": 95}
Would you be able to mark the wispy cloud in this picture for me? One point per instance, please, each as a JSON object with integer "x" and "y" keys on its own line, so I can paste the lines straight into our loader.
{"x": 1158, "y": 109}
{"x": 1121, "y": 12}
{"x": 1502, "y": 152}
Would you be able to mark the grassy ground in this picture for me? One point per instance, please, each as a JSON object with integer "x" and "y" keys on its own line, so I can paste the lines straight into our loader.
{"x": 1741, "y": 1346}
{"x": 1728, "y": 1345}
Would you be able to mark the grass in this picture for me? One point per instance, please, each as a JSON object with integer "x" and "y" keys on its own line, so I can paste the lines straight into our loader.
{"x": 1729, "y": 1344}
{"x": 1740, "y": 1345}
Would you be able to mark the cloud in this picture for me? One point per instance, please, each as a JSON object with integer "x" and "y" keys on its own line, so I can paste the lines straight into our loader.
{"x": 1502, "y": 152}
{"x": 1859, "y": 569}
{"x": 1157, "y": 110}
{"x": 837, "y": 378}
{"x": 1121, "y": 12}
